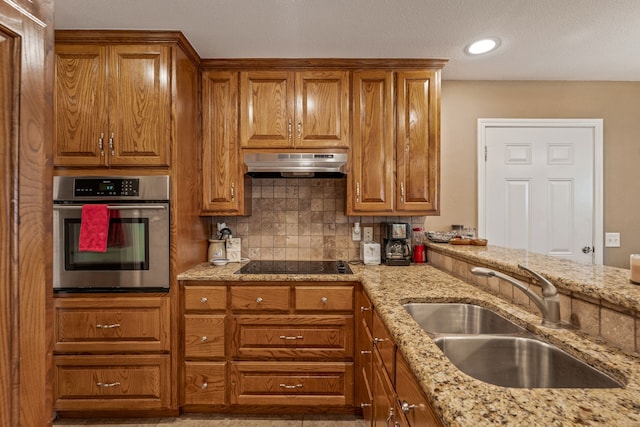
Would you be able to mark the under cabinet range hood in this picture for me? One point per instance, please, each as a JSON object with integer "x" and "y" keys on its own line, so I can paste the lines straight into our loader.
{"x": 292, "y": 164}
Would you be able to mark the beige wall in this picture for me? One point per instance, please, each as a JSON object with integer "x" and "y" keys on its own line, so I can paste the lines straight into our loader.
{"x": 617, "y": 103}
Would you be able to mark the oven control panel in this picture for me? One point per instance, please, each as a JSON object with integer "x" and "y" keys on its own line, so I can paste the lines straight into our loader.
{"x": 100, "y": 187}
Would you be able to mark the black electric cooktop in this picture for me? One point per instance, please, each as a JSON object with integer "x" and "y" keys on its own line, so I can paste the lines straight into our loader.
{"x": 295, "y": 267}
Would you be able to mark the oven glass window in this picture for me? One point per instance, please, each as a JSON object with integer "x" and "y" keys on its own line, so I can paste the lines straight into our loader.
{"x": 127, "y": 246}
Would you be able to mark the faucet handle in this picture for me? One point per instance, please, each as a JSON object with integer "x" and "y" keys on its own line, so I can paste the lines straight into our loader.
{"x": 548, "y": 290}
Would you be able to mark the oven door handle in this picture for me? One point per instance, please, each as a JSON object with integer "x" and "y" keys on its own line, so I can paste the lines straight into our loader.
{"x": 117, "y": 208}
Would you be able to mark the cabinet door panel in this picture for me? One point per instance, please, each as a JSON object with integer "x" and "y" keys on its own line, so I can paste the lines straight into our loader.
{"x": 384, "y": 396}
{"x": 80, "y": 105}
{"x": 223, "y": 183}
{"x": 139, "y": 105}
{"x": 204, "y": 383}
{"x": 421, "y": 414}
{"x": 203, "y": 336}
{"x": 322, "y": 109}
{"x": 370, "y": 182}
{"x": 418, "y": 145}
{"x": 267, "y": 105}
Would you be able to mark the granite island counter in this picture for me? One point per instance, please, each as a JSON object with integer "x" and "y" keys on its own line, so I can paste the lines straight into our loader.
{"x": 458, "y": 399}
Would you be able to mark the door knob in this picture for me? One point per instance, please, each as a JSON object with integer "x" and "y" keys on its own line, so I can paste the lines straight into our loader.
{"x": 587, "y": 249}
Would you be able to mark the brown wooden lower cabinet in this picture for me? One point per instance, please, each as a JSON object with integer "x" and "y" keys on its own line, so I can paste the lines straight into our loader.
{"x": 112, "y": 353}
{"x": 295, "y": 383}
{"x": 413, "y": 402}
{"x": 204, "y": 383}
{"x": 387, "y": 390}
{"x": 385, "y": 411}
{"x": 313, "y": 337}
{"x": 272, "y": 347}
{"x": 111, "y": 382}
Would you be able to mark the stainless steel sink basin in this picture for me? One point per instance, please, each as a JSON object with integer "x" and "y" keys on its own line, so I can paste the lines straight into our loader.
{"x": 512, "y": 361}
{"x": 459, "y": 318}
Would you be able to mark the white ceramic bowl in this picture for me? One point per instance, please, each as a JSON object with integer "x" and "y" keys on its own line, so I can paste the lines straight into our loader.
{"x": 219, "y": 261}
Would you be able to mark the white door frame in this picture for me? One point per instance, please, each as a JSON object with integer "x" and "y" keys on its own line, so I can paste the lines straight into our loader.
{"x": 596, "y": 124}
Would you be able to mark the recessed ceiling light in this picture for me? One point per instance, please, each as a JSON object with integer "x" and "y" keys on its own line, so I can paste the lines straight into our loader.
{"x": 482, "y": 46}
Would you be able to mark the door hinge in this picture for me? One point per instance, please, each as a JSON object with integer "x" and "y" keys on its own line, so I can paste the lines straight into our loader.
{"x": 485, "y": 153}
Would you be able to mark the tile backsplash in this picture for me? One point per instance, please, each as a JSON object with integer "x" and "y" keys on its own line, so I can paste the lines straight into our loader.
{"x": 301, "y": 219}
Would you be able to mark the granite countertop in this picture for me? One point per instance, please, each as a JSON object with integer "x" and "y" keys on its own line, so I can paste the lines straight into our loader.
{"x": 609, "y": 284}
{"x": 459, "y": 399}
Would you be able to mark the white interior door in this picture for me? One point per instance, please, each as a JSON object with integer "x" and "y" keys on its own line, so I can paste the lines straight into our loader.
{"x": 540, "y": 186}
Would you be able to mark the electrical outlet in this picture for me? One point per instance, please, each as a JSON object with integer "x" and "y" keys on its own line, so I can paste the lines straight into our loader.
{"x": 367, "y": 234}
{"x": 612, "y": 240}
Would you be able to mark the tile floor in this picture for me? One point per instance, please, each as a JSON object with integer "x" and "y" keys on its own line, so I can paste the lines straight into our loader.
{"x": 202, "y": 420}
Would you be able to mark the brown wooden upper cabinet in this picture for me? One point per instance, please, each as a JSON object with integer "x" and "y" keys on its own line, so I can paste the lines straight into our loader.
{"x": 285, "y": 109}
{"x": 112, "y": 105}
{"x": 395, "y": 170}
{"x": 225, "y": 188}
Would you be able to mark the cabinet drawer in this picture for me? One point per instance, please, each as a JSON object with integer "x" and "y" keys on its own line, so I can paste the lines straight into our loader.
{"x": 205, "y": 298}
{"x": 119, "y": 324}
{"x": 365, "y": 307}
{"x": 112, "y": 382}
{"x": 384, "y": 344}
{"x": 324, "y": 298}
{"x": 293, "y": 336}
{"x": 204, "y": 383}
{"x": 203, "y": 336}
{"x": 301, "y": 383}
{"x": 260, "y": 298}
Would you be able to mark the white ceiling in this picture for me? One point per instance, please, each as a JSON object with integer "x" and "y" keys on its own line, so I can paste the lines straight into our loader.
{"x": 541, "y": 39}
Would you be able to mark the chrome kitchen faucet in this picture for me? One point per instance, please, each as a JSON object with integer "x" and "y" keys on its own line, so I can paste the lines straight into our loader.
{"x": 549, "y": 304}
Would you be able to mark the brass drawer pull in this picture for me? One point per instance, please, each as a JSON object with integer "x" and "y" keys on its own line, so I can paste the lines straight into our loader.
{"x": 291, "y": 386}
{"x": 204, "y": 386}
{"x": 259, "y": 300}
{"x": 324, "y": 300}
{"x": 285, "y": 337}
{"x": 365, "y": 405}
{"x": 363, "y": 309}
{"x": 117, "y": 383}
{"x": 379, "y": 340}
{"x": 365, "y": 351}
{"x": 113, "y": 325}
{"x": 204, "y": 300}
{"x": 203, "y": 339}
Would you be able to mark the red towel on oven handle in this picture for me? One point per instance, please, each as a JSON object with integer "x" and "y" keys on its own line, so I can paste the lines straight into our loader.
{"x": 94, "y": 228}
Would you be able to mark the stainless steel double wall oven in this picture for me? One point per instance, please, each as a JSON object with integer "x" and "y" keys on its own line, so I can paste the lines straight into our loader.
{"x": 137, "y": 254}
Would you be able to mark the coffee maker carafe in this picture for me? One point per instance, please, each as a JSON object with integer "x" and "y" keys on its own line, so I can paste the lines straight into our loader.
{"x": 396, "y": 243}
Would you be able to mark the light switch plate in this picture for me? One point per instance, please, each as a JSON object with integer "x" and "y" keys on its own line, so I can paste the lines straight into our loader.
{"x": 611, "y": 240}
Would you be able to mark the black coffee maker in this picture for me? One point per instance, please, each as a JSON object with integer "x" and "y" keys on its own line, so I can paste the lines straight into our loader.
{"x": 396, "y": 243}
